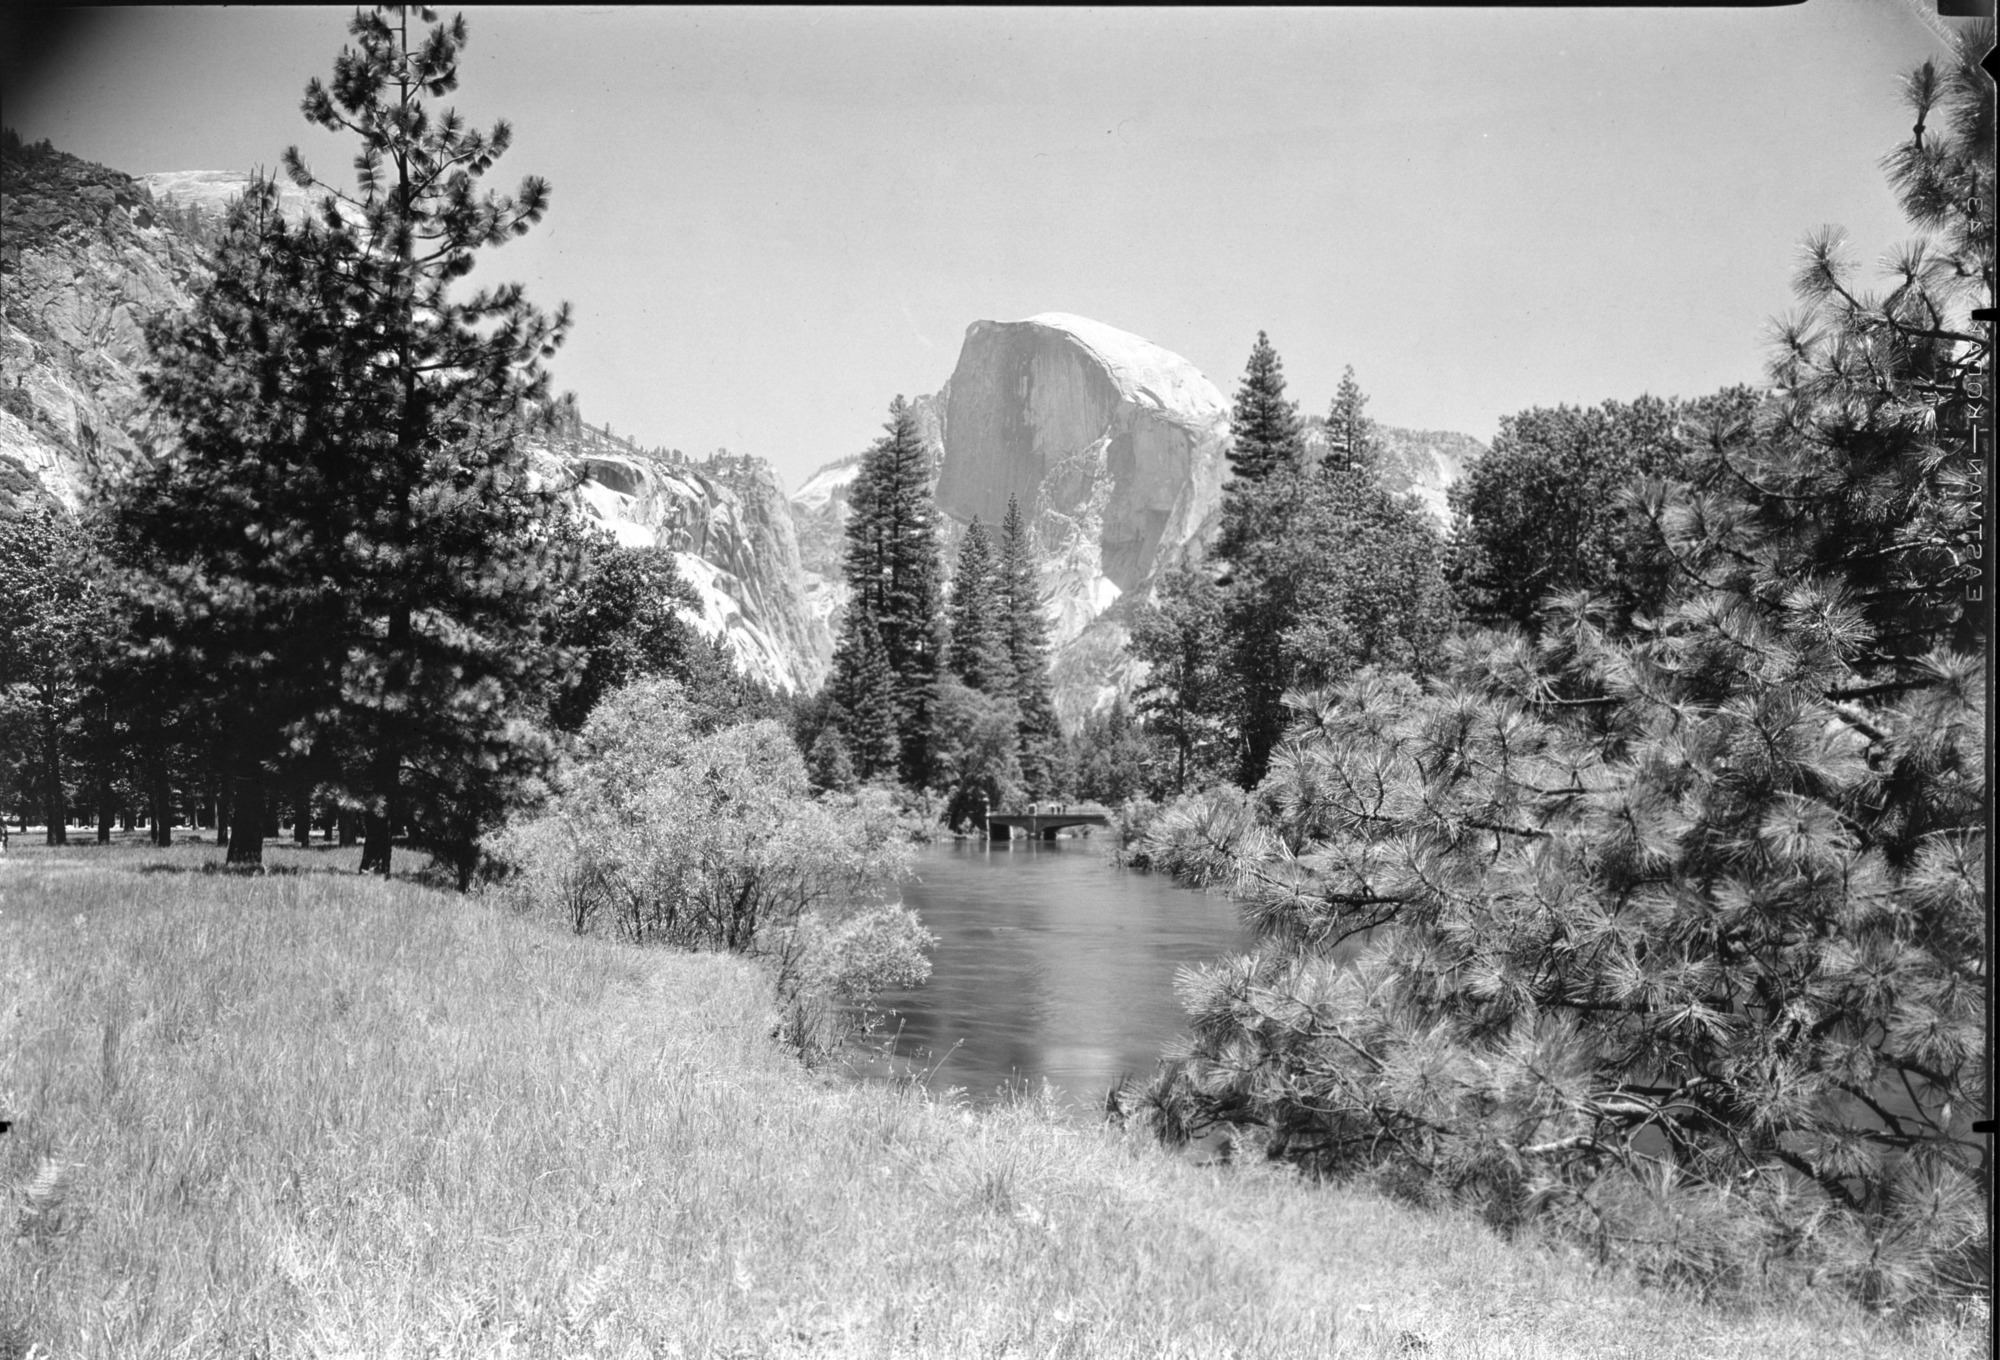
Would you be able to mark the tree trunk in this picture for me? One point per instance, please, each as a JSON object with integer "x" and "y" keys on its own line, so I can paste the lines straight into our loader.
{"x": 348, "y": 827}
{"x": 54, "y": 813}
{"x": 163, "y": 816}
{"x": 375, "y": 844}
{"x": 221, "y": 815}
{"x": 386, "y": 801}
{"x": 246, "y": 819}
{"x": 106, "y": 817}
{"x": 302, "y": 814}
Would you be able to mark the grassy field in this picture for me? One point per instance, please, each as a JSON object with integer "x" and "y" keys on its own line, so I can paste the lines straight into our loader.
{"x": 312, "y": 1114}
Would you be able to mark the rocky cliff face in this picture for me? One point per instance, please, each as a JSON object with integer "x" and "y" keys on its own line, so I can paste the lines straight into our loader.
{"x": 1113, "y": 447}
{"x": 84, "y": 261}
{"x": 819, "y": 516}
{"x": 88, "y": 254}
{"x": 729, "y": 526}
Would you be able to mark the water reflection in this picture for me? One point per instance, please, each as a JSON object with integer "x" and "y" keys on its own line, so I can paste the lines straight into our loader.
{"x": 1051, "y": 962}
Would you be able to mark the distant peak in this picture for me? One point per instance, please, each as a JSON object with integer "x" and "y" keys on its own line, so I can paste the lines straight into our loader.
{"x": 1147, "y": 372}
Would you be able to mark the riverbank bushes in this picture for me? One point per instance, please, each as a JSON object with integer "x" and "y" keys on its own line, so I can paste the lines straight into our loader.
{"x": 665, "y": 834}
{"x": 315, "y": 1113}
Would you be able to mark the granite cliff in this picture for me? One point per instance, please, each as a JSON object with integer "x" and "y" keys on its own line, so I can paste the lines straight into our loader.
{"x": 1113, "y": 448}
{"x": 729, "y": 526}
{"x": 85, "y": 260}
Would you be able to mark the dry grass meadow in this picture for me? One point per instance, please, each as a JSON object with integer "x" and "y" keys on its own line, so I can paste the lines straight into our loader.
{"x": 312, "y": 1114}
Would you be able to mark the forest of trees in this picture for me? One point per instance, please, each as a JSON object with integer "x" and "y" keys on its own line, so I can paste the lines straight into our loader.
{"x": 1619, "y": 865}
{"x": 943, "y": 689}
{"x": 1317, "y": 572}
{"x": 332, "y": 597}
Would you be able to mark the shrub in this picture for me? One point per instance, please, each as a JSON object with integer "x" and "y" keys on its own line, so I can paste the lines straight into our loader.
{"x": 661, "y": 834}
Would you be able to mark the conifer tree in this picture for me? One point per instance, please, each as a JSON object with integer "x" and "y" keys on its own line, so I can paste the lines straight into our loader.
{"x": 232, "y": 542}
{"x": 1366, "y": 570}
{"x": 1028, "y": 652}
{"x": 450, "y": 559}
{"x": 345, "y": 539}
{"x": 1264, "y": 431}
{"x": 1266, "y": 440}
{"x": 1186, "y": 696}
{"x": 1330, "y": 572}
{"x": 1349, "y": 431}
{"x": 52, "y": 614}
{"x": 893, "y": 568}
{"x": 978, "y": 617}
{"x": 828, "y": 764}
{"x": 1259, "y": 504}
{"x": 865, "y": 697}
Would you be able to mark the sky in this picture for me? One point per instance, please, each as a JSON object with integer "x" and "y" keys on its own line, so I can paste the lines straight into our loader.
{"x": 769, "y": 222}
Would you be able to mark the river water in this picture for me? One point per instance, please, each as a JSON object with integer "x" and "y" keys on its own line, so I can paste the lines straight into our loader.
{"x": 1051, "y": 962}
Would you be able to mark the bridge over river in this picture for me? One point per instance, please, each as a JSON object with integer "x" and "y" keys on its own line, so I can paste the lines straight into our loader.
{"x": 1001, "y": 826}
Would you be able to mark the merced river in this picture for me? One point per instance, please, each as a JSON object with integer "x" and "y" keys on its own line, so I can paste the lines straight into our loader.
{"x": 1051, "y": 962}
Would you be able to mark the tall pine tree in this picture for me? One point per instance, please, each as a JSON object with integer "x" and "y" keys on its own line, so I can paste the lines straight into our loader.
{"x": 1265, "y": 435}
{"x": 346, "y": 540}
{"x": 893, "y": 569}
{"x": 1028, "y": 652}
{"x": 978, "y": 617}
{"x": 1349, "y": 431}
{"x": 449, "y": 559}
{"x": 865, "y": 696}
{"x": 1259, "y": 503}
{"x": 1186, "y": 696}
{"x": 1266, "y": 440}
{"x": 233, "y": 542}
{"x": 51, "y": 612}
